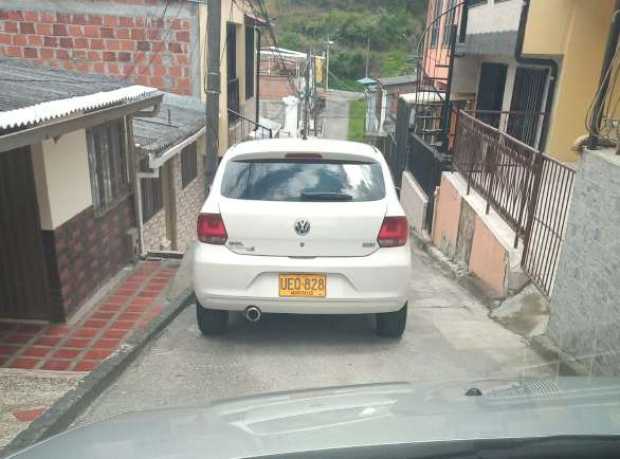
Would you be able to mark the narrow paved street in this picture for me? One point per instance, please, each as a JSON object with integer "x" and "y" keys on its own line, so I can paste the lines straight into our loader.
{"x": 449, "y": 337}
{"x": 335, "y": 117}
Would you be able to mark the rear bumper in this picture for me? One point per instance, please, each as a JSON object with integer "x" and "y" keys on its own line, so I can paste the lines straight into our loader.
{"x": 355, "y": 285}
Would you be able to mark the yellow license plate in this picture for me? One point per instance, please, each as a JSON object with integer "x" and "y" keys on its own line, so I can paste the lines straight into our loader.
{"x": 303, "y": 285}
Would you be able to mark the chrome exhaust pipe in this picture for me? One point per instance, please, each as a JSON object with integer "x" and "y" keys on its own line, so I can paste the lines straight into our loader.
{"x": 253, "y": 314}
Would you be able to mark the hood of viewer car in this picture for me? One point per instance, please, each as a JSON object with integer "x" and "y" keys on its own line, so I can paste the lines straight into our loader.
{"x": 354, "y": 416}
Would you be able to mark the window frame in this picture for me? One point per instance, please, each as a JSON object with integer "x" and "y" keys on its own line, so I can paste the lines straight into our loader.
{"x": 108, "y": 164}
{"x": 250, "y": 61}
{"x": 448, "y": 22}
{"x": 189, "y": 164}
{"x": 152, "y": 194}
{"x": 435, "y": 29}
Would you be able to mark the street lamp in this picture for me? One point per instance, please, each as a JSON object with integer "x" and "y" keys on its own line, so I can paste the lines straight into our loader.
{"x": 329, "y": 43}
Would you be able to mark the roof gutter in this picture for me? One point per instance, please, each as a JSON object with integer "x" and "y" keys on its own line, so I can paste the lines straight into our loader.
{"x": 85, "y": 120}
{"x": 156, "y": 162}
{"x": 553, "y": 69}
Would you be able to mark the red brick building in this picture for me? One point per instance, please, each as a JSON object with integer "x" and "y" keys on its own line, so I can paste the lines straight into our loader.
{"x": 148, "y": 42}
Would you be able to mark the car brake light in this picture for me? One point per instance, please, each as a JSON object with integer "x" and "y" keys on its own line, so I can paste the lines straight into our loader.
{"x": 303, "y": 156}
{"x": 394, "y": 232}
{"x": 211, "y": 229}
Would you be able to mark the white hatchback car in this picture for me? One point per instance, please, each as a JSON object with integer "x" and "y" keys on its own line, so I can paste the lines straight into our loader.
{"x": 302, "y": 227}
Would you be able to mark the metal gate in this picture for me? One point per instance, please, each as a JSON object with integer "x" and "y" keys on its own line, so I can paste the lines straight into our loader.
{"x": 23, "y": 281}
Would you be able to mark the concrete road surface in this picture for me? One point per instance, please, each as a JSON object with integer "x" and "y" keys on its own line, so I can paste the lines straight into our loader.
{"x": 449, "y": 337}
{"x": 335, "y": 116}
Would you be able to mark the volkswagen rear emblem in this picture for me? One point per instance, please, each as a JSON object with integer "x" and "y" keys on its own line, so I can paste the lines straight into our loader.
{"x": 302, "y": 226}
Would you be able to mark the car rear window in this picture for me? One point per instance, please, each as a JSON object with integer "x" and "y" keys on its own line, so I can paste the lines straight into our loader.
{"x": 303, "y": 180}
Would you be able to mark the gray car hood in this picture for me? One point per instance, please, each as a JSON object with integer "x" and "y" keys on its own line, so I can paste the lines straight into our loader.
{"x": 340, "y": 417}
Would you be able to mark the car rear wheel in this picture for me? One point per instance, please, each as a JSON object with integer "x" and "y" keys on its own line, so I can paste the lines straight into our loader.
{"x": 392, "y": 324}
{"x": 211, "y": 321}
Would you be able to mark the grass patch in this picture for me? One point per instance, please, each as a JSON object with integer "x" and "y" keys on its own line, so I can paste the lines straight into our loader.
{"x": 357, "y": 120}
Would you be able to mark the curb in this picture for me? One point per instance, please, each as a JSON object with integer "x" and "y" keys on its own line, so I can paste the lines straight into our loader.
{"x": 568, "y": 365}
{"x": 452, "y": 270}
{"x": 66, "y": 409}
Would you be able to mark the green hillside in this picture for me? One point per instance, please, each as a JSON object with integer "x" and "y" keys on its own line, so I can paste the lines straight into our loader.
{"x": 391, "y": 26}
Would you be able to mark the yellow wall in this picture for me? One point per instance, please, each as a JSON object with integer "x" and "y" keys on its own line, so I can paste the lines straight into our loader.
{"x": 62, "y": 178}
{"x": 575, "y": 30}
{"x": 230, "y": 13}
{"x": 585, "y": 44}
{"x": 547, "y": 24}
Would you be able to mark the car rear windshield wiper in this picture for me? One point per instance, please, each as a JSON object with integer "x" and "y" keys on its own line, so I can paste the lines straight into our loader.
{"x": 325, "y": 196}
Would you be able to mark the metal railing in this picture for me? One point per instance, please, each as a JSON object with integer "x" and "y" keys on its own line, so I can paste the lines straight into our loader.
{"x": 243, "y": 129}
{"x": 547, "y": 221}
{"x": 523, "y": 126}
{"x": 498, "y": 166}
{"x": 530, "y": 190}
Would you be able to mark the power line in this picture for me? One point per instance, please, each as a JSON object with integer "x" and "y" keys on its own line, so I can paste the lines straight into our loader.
{"x": 262, "y": 13}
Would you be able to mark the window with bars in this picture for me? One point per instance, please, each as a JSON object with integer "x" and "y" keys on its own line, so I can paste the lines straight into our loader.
{"x": 189, "y": 164}
{"x": 449, "y": 22}
{"x": 152, "y": 197}
{"x": 249, "y": 62}
{"x": 107, "y": 159}
{"x": 437, "y": 9}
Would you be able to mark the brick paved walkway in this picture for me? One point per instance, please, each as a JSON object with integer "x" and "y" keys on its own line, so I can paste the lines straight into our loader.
{"x": 82, "y": 346}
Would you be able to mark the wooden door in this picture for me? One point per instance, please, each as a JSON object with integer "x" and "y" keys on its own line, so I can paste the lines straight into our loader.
{"x": 23, "y": 275}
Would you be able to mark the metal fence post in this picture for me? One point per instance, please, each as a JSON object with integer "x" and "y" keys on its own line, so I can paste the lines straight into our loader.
{"x": 524, "y": 195}
{"x": 537, "y": 171}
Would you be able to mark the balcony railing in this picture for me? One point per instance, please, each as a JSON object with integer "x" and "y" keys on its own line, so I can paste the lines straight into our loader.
{"x": 530, "y": 190}
{"x": 523, "y": 126}
{"x": 243, "y": 129}
{"x": 499, "y": 167}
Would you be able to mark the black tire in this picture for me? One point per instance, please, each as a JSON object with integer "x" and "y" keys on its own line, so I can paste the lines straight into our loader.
{"x": 392, "y": 324}
{"x": 211, "y": 321}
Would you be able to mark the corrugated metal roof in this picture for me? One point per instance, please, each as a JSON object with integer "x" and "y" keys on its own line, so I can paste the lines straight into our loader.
{"x": 402, "y": 79}
{"x": 31, "y": 94}
{"x": 179, "y": 117}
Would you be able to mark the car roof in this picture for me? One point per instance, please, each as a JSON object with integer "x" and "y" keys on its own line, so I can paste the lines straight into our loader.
{"x": 296, "y": 145}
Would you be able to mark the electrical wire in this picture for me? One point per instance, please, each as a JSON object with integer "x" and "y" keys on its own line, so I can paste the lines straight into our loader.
{"x": 260, "y": 11}
{"x": 591, "y": 115}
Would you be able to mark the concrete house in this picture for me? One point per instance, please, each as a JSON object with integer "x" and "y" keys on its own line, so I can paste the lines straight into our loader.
{"x": 532, "y": 67}
{"x": 172, "y": 181}
{"x": 68, "y": 219}
{"x": 502, "y": 101}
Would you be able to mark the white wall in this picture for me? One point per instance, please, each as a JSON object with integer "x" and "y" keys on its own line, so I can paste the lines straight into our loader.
{"x": 465, "y": 75}
{"x": 494, "y": 17}
{"x": 62, "y": 178}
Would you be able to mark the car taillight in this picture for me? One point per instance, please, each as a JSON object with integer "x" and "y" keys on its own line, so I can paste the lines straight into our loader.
{"x": 211, "y": 229}
{"x": 394, "y": 232}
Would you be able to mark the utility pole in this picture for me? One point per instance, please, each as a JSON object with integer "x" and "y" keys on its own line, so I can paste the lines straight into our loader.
{"x": 329, "y": 43}
{"x": 367, "y": 54}
{"x": 214, "y": 18}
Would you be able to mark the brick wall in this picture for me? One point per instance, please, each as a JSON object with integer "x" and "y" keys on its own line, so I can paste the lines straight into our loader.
{"x": 274, "y": 87}
{"x": 148, "y": 50}
{"x": 85, "y": 252}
